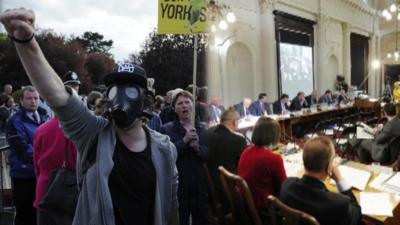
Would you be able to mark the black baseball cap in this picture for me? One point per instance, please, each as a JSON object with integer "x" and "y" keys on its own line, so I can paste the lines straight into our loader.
{"x": 127, "y": 73}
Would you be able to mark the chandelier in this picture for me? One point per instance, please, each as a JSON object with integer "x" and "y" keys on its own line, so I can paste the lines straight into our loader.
{"x": 220, "y": 14}
{"x": 392, "y": 11}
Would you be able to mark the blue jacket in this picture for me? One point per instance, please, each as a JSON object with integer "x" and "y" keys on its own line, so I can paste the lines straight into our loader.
{"x": 190, "y": 164}
{"x": 20, "y": 132}
{"x": 256, "y": 110}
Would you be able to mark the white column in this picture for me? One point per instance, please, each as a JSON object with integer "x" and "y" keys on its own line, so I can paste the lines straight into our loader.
{"x": 267, "y": 45}
{"x": 320, "y": 54}
{"x": 346, "y": 52}
{"x": 371, "y": 71}
{"x": 379, "y": 74}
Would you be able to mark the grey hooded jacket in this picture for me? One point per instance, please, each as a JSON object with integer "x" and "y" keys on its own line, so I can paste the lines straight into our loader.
{"x": 95, "y": 206}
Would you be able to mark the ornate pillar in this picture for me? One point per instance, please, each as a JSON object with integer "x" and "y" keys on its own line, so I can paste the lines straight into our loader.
{"x": 267, "y": 45}
{"x": 372, "y": 71}
{"x": 346, "y": 52}
{"x": 321, "y": 51}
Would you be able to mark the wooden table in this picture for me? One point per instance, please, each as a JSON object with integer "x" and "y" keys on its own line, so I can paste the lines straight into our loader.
{"x": 310, "y": 117}
{"x": 287, "y": 122}
{"x": 369, "y": 106}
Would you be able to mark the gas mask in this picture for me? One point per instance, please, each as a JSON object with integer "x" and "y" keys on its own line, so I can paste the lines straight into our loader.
{"x": 126, "y": 104}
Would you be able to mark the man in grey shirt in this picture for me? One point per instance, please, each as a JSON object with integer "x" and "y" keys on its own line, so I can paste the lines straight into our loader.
{"x": 97, "y": 138}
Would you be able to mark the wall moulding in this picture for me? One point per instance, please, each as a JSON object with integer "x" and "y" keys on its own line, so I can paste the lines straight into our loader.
{"x": 360, "y": 5}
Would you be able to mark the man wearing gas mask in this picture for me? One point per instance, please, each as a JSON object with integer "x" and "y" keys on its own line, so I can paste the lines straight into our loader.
{"x": 126, "y": 171}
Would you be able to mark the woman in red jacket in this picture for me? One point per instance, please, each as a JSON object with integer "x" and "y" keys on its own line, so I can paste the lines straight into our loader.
{"x": 50, "y": 145}
{"x": 262, "y": 169}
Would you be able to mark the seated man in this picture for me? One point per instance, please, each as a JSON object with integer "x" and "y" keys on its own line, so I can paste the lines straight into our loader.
{"x": 312, "y": 99}
{"x": 215, "y": 110}
{"x": 261, "y": 106}
{"x": 225, "y": 146}
{"x": 298, "y": 102}
{"x": 244, "y": 107}
{"x": 377, "y": 149}
{"x": 310, "y": 194}
{"x": 343, "y": 98}
{"x": 326, "y": 98}
{"x": 280, "y": 106}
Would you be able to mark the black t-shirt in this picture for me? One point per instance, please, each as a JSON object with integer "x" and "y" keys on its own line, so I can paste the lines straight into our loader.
{"x": 132, "y": 184}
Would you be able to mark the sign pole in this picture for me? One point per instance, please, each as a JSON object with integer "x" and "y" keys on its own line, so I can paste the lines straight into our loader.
{"x": 194, "y": 78}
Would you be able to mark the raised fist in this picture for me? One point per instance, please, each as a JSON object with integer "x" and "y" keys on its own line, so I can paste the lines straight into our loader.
{"x": 19, "y": 23}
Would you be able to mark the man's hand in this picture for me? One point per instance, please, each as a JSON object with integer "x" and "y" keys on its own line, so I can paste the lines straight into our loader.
{"x": 190, "y": 135}
{"x": 19, "y": 23}
{"x": 334, "y": 171}
{"x": 195, "y": 145}
{"x": 378, "y": 128}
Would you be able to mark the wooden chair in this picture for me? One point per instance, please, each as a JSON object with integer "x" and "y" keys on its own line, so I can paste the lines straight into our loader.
{"x": 281, "y": 214}
{"x": 215, "y": 211}
{"x": 240, "y": 199}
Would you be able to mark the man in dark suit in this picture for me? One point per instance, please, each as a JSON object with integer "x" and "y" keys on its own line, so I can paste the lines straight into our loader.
{"x": 378, "y": 148}
{"x": 326, "y": 98}
{"x": 298, "y": 102}
{"x": 215, "y": 110}
{"x": 225, "y": 147}
{"x": 312, "y": 99}
{"x": 310, "y": 194}
{"x": 244, "y": 107}
{"x": 261, "y": 106}
{"x": 280, "y": 106}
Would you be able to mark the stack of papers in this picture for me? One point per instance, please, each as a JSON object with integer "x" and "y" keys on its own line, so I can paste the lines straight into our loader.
{"x": 377, "y": 204}
{"x": 393, "y": 183}
{"x": 362, "y": 134}
{"x": 367, "y": 128}
{"x": 355, "y": 177}
{"x": 377, "y": 183}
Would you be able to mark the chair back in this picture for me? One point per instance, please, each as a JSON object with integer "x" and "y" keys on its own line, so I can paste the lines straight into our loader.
{"x": 240, "y": 199}
{"x": 215, "y": 211}
{"x": 281, "y": 214}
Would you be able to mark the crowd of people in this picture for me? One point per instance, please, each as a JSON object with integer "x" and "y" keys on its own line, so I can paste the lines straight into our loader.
{"x": 139, "y": 158}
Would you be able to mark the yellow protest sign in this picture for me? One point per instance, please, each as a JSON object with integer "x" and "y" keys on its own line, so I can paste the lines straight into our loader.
{"x": 182, "y": 16}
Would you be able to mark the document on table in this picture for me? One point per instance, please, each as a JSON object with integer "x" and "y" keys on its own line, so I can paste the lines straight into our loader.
{"x": 376, "y": 203}
{"x": 393, "y": 183}
{"x": 294, "y": 164}
{"x": 357, "y": 178}
{"x": 367, "y": 128}
{"x": 377, "y": 183}
{"x": 362, "y": 134}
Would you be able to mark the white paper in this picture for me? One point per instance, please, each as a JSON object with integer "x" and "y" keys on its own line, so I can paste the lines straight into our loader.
{"x": 376, "y": 203}
{"x": 362, "y": 134}
{"x": 329, "y": 132}
{"x": 357, "y": 178}
{"x": 393, "y": 182}
{"x": 294, "y": 164}
{"x": 379, "y": 180}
